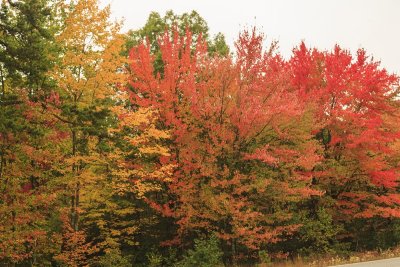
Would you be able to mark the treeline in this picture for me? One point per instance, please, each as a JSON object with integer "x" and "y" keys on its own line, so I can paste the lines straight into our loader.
{"x": 161, "y": 147}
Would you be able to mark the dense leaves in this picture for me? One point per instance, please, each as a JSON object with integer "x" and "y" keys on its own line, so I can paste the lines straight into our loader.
{"x": 182, "y": 153}
{"x": 232, "y": 127}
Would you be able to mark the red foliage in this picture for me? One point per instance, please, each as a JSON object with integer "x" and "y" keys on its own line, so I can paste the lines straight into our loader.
{"x": 357, "y": 108}
{"x": 222, "y": 112}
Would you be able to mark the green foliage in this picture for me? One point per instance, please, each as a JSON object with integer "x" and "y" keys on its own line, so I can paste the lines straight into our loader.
{"x": 318, "y": 233}
{"x": 374, "y": 233}
{"x": 27, "y": 46}
{"x": 154, "y": 259}
{"x": 265, "y": 259}
{"x": 113, "y": 258}
{"x": 218, "y": 46}
{"x": 206, "y": 253}
{"x": 156, "y": 25}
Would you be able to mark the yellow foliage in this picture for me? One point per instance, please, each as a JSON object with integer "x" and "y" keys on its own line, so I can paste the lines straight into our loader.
{"x": 91, "y": 64}
{"x": 156, "y": 149}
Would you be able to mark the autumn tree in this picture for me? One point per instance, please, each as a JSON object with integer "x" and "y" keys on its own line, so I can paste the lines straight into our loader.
{"x": 185, "y": 148}
{"x": 357, "y": 109}
{"x": 156, "y": 25}
{"x": 28, "y": 138}
{"x": 30, "y": 152}
{"x": 90, "y": 68}
{"x": 241, "y": 157}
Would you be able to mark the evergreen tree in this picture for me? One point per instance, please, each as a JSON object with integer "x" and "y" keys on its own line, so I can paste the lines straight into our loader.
{"x": 27, "y": 45}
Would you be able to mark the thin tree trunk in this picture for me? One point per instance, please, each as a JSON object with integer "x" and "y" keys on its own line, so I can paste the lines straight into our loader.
{"x": 75, "y": 196}
{"x": 2, "y": 161}
{"x": 3, "y": 87}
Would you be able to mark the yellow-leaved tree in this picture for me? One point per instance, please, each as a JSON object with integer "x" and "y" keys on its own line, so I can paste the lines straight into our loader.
{"x": 112, "y": 158}
{"x": 88, "y": 73}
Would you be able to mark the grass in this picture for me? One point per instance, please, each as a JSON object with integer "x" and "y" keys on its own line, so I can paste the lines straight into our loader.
{"x": 336, "y": 260}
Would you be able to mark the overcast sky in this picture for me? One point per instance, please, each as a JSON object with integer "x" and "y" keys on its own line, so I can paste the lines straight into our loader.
{"x": 370, "y": 24}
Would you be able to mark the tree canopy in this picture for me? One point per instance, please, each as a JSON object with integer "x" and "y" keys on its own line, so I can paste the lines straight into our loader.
{"x": 163, "y": 147}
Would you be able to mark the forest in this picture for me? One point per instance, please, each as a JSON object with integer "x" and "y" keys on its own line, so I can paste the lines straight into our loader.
{"x": 164, "y": 146}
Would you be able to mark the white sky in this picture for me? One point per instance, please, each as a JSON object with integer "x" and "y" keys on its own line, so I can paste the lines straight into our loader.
{"x": 370, "y": 24}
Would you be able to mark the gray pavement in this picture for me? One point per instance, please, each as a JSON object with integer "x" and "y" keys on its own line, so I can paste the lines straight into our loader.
{"x": 394, "y": 262}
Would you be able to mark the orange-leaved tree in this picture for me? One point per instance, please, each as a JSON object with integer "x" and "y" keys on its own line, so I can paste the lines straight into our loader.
{"x": 242, "y": 142}
{"x": 29, "y": 157}
{"x": 358, "y": 113}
